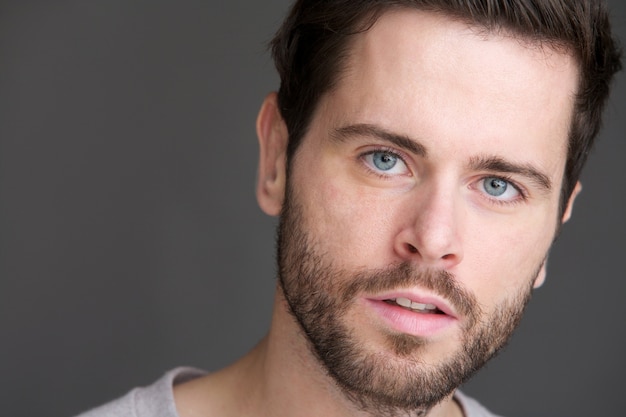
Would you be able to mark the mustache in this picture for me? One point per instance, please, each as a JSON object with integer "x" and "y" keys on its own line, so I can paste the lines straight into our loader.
{"x": 405, "y": 274}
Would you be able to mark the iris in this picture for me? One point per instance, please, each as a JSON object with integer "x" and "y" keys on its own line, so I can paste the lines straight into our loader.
{"x": 384, "y": 160}
{"x": 495, "y": 186}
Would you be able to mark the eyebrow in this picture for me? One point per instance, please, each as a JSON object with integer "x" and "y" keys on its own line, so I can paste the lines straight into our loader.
{"x": 344, "y": 133}
{"x": 497, "y": 164}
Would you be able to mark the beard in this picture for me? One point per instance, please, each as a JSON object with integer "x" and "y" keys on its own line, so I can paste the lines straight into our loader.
{"x": 383, "y": 382}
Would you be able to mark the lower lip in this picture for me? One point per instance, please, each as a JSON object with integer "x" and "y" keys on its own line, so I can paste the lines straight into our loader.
{"x": 410, "y": 322}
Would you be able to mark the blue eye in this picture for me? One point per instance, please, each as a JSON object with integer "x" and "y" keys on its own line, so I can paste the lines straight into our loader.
{"x": 500, "y": 189}
{"x": 384, "y": 160}
{"x": 495, "y": 186}
{"x": 385, "y": 163}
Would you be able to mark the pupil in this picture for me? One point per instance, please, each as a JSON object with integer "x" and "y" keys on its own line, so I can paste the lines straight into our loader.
{"x": 496, "y": 186}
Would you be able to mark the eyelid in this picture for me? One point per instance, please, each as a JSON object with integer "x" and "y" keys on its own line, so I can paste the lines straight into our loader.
{"x": 386, "y": 149}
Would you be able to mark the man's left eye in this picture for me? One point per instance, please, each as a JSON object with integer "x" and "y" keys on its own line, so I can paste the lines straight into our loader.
{"x": 385, "y": 162}
{"x": 499, "y": 188}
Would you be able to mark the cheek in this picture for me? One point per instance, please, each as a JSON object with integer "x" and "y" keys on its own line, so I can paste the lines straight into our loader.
{"x": 505, "y": 257}
{"x": 350, "y": 223}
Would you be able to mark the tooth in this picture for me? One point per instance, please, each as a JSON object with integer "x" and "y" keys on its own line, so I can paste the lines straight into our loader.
{"x": 404, "y": 302}
{"x": 418, "y": 306}
{"x": 422, "y": 307}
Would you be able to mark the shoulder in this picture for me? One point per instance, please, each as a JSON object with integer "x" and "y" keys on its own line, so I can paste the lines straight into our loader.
{"x": 471, "y": 407}
{"x": 156, "y": 400}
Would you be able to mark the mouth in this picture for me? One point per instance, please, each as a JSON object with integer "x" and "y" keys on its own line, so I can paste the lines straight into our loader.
{"x": 414, "y": 306}
{"x": 419, "y": 315}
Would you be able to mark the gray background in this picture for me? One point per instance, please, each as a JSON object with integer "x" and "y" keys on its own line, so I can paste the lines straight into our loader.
{"x": 130, "y": 239}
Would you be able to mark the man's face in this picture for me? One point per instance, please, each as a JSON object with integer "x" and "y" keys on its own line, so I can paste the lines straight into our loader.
{"x": 429, "y": 177}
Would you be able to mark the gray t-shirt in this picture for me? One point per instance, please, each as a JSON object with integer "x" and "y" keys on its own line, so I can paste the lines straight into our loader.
{"x": 157, "y": 400}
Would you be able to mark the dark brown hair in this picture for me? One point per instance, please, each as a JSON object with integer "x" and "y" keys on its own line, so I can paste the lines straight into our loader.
{"x": 311, "y": 47}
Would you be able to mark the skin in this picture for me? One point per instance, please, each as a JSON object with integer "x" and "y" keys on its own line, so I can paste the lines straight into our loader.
{"x": 459, "y": 96}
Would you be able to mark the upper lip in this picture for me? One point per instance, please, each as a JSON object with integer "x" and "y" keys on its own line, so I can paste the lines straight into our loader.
{"x": 419, "y": 297}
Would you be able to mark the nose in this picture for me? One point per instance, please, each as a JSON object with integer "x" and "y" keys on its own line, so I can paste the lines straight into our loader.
{"x": 431, "y": 232}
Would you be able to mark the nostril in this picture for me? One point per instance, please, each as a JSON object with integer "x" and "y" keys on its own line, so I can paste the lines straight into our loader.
{"x": 411, "y": 248}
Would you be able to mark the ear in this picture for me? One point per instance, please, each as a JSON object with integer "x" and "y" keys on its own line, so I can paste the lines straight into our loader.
{"x": 570, "y": 203}
{"x": 541, "y": 277}
{"x": 272, "y": 176}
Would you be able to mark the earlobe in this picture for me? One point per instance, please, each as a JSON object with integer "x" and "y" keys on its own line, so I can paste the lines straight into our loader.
{"x": 570, "y": 203}
{"x": 273, "y": 137}
{"x": 541, "y": 277}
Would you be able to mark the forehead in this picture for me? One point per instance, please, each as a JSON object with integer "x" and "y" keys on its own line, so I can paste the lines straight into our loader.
{"x": 429, "y": 76}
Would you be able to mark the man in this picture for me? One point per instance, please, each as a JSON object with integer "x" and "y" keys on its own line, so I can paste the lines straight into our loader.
{"x": 422, "y": 156}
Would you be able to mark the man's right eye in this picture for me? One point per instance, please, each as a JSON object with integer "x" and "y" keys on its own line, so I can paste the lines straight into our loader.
{"x": 385, "y": 162}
